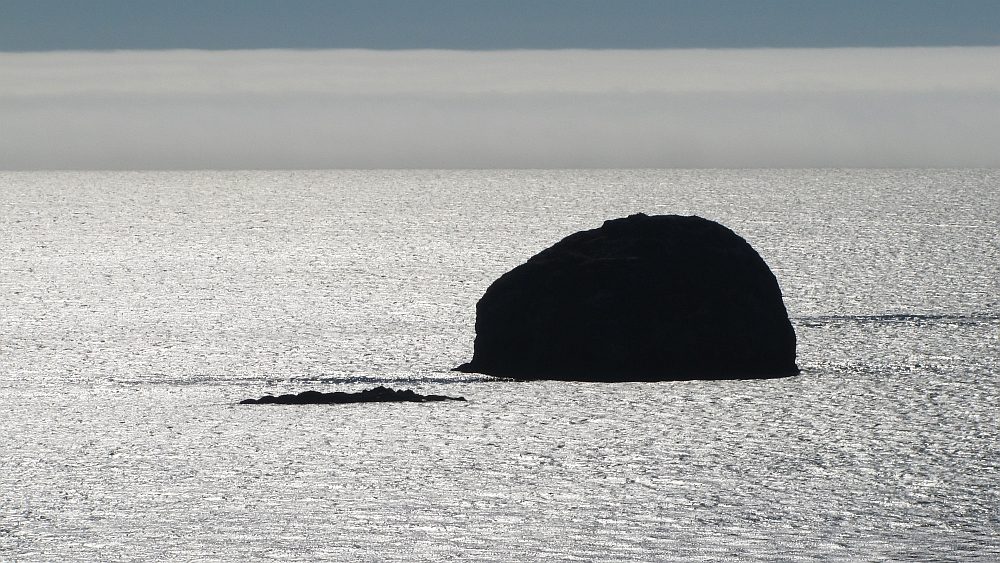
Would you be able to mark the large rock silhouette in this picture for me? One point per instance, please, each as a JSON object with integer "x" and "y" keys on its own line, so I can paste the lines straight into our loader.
{"x": 640, "y": 299}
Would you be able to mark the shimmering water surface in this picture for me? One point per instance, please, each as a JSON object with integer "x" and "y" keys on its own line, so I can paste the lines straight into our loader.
{"x": 137, "y": 309}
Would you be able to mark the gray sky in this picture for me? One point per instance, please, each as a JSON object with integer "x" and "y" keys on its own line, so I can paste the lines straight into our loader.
{"x": 44, "y": 25}
{"x": 350, "y": 108}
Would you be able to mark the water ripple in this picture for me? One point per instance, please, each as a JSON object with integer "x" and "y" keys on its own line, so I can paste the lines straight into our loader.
{"x": 923, "y": 319}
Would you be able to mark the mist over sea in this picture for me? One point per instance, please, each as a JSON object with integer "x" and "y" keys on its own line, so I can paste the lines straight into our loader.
{"x": 138, "y": 308}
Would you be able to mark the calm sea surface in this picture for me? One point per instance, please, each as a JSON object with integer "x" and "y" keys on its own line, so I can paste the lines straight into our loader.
{"x": 137, "y": 309}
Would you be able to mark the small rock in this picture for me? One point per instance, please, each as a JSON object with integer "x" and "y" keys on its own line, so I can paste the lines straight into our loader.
{"x": 378, "y": 394}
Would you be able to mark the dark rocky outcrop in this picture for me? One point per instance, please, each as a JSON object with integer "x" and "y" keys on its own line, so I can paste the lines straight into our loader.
{"x": 640, "y": 299}
{"x": 379, "y": 394}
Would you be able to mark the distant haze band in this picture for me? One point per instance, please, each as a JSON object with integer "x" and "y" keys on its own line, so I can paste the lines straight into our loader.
{"x": 855, "y": 107}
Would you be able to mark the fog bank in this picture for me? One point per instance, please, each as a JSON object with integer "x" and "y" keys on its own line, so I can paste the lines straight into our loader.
{"x": 264, "y": 109}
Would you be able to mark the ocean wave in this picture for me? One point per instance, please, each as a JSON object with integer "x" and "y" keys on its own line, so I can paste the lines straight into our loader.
{"x": 899, "y": 318}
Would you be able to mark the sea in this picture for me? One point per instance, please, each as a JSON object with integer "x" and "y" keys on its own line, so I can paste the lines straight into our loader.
{"x": 137, "y": 309}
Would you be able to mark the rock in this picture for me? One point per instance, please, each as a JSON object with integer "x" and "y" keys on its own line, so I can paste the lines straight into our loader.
{"x": 379, "y": 394}
{"x": 640, "y": 299}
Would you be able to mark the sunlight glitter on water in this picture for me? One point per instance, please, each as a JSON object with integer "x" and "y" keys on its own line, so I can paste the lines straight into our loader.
{"x": 139, "y": 308}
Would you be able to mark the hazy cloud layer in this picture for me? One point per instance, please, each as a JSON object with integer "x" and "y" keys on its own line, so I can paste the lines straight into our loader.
{"x": 454, "y": 109}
